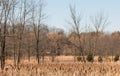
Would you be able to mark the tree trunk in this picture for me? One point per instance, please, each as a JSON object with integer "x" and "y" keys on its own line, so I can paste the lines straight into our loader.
{"x": 14, "y": 54}
{"x": 37, "y": 51}
{"x": 3, "y": 54}
{"x": 3, "y": 47}
{"x": 28, "y": 53}
{"x": 19, "y": 52}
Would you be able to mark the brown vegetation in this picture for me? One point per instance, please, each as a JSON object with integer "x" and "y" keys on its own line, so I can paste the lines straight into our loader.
{"x": 29, "y": 47}
{"x": 61, "y": 69}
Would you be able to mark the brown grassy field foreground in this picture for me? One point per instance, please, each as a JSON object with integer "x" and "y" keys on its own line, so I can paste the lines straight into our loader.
{"x": 63, "y": 69}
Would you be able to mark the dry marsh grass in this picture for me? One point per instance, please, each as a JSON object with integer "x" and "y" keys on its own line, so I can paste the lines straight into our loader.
{"x": 62, "y": 69}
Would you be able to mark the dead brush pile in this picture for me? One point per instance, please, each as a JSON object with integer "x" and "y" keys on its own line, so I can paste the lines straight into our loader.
{"x": 63, "y": 69}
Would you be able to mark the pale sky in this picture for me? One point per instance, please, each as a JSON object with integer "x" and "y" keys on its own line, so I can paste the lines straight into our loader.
{"x": 58, "y": 12}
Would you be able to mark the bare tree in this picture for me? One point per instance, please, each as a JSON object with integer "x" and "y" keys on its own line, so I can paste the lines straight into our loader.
{"x": 76, "y": 24}
{"x": 6, "y": 6}
{"x": 99, "y": 22}
{"x": 21, "y": 27}
{"x": 23, "y": 17}
{"x": 36, "y": 26}
{"x": 12, "y": 19}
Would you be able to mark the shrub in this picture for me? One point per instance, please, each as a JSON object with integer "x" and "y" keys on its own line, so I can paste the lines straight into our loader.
{"x": 116, "y": 58}
{"x": 90, "y": 57}
{"x": 79, "y": 58}
{"x": 100, "y": 59}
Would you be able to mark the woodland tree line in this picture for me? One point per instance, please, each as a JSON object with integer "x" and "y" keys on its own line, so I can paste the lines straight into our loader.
{"x": 24, "y": 34}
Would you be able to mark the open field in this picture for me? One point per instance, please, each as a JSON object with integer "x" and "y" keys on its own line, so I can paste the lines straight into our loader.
{"x": 66, "y": 68}
{"x": 59, "y": 59}
{"x": 59, "y": 38}
{"x": 63, "y": 69}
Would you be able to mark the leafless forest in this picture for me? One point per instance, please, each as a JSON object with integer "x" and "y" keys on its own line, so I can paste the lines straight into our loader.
{"x": 25, "y": 36}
